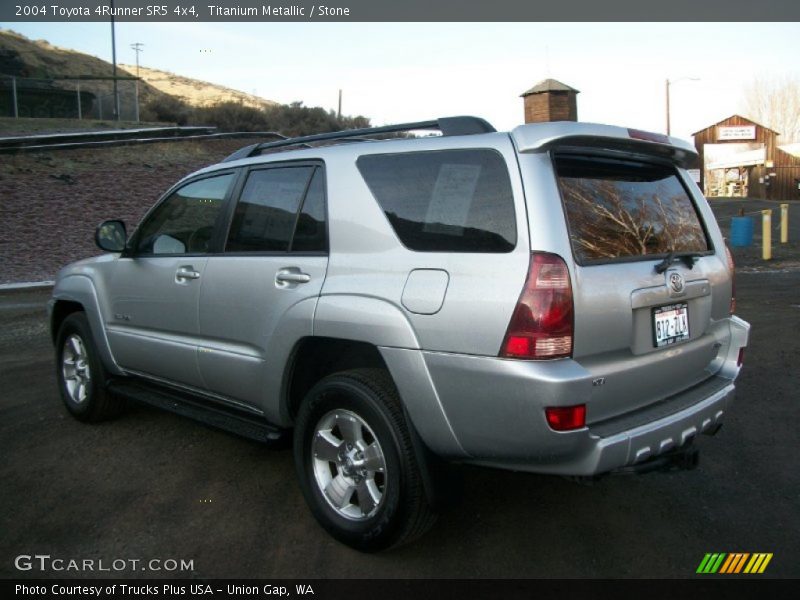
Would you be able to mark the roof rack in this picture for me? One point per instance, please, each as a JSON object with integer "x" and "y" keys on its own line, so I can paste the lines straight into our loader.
{"x": 447, "y": 125}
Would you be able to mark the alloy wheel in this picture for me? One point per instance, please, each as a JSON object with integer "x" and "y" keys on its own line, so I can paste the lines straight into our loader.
{"x": 75, "y": 367}
{"x": 349, "y": 465}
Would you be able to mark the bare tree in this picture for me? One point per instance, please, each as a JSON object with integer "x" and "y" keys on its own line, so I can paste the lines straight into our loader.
{"x": 775, "y": 102}
{"x": 609, "y": 221}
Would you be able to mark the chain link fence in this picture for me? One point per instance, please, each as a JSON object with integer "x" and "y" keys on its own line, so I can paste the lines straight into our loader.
{"x": 68, "y": 98}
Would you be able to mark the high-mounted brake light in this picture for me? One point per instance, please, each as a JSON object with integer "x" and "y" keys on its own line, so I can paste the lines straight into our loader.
{"x": 648, "y": 136}
{"x": 541, "y": 326}
{"x": 566, "y": 418}
{"x": 732, "y": 271}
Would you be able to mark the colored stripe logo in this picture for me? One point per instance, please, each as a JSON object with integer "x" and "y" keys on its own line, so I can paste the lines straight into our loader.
{"x": 735, "y": 562}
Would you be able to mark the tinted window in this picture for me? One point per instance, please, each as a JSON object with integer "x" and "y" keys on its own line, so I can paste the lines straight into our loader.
{"x": 445, "y": 201}
{"x": 620, "y": 209}
{"x": 267, "y": 211}
{"x": 310, "y": 234}
{"x": 184, "y": 222}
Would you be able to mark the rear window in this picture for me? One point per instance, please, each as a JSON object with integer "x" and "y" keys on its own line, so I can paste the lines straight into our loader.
{"x": 445, "y": 201}
{"x": 625, "y": 210}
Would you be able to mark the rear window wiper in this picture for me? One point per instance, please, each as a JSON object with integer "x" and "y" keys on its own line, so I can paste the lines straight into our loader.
{"x": 688, "y": 259}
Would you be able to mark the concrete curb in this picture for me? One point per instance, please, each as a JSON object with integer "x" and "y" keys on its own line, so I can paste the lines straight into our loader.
{"x": 29, "y": 285}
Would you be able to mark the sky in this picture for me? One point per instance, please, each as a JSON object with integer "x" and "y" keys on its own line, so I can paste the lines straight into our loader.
{"x": 397, "y": 72}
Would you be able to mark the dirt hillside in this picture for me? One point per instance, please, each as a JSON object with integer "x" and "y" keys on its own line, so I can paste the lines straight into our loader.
{"x": 194, "y": 91}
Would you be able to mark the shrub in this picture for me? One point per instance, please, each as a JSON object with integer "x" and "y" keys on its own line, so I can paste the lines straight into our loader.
{"x": 288, "y": 119}
{"x": 167, "y": 109}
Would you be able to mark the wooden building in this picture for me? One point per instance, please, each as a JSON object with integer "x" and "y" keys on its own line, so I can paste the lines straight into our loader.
{"x": 550, "y": 100}
{"x": 760, "y": 168}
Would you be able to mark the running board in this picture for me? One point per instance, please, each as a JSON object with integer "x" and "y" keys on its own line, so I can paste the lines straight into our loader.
{"x": 220, "y": 417}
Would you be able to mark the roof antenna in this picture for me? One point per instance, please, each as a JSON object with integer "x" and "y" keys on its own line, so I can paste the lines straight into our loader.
{"x": 547, "y": 61}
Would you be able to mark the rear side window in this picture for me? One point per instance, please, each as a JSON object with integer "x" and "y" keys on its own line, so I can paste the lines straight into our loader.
{"x": 445, "y": 201}
{"x": 625, "y": 210}
{"x": 267, "y": 211}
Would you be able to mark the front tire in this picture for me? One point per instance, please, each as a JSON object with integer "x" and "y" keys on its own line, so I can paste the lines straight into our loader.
{"x": 80, "y": 373}
{"x": 356, "y": 464}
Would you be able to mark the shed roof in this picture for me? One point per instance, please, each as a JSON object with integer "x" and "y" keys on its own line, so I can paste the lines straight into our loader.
{"x": 792, "y": 149}
{"x": 549, "y": 85}
{"x": 732, "y": 117}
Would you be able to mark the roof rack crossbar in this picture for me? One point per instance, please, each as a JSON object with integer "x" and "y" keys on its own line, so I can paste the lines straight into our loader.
{"x": 447, "y": 125}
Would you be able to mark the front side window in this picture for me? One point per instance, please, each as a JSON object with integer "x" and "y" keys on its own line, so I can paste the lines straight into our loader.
{"x": 267, "y": 212}
{"x": 626, "y": 210}
{"x": 445, "y": 201}
{"x": 184, "y": 222}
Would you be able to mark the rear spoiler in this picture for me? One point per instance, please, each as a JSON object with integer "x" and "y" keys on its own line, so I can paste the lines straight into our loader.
{"x": 541, "y": 137}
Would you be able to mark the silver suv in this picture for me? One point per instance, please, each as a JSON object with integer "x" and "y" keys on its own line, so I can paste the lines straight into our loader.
{"x": 557, "y": 299}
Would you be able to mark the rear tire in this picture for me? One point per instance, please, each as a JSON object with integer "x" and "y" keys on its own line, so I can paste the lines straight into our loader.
{"x": 356, "y": 464}
{"x": 80, "y": 373}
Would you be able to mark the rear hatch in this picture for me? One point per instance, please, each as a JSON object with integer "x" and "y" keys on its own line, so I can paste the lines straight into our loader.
{"x": 649, "y": 269}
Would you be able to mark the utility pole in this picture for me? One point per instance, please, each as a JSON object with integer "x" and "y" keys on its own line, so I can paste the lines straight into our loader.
{"x": 669, "y": 82}
{"x": 339, "y": 114}
{"x": 14, "y": 97}
{"x": 137, "y": 47}
{"x": 114, "y": 61}
{"x": 667, "y": 88}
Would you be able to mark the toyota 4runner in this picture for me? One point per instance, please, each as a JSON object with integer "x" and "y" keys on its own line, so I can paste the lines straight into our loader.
{"x": 556, "y": 299}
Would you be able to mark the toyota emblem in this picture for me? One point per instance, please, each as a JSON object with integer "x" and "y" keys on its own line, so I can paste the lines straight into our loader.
{"x": 676, "y": 282}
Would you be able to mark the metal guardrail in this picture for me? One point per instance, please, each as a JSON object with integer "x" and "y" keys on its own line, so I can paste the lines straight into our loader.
{"x": 112, "y": 134}
{"x": 119, "y": 137}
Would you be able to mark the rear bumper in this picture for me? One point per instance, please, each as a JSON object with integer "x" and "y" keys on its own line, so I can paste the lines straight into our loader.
{"x": 490, "y": 411}
{"x": 639, "y": 444}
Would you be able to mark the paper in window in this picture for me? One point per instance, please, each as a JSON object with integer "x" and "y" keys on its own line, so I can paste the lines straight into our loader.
{"x": 451, "y": 199}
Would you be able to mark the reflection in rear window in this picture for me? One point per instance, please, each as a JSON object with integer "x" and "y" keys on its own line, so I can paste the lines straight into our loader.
{"x": 620, "y": 209}
{"x": 446, "y": 200}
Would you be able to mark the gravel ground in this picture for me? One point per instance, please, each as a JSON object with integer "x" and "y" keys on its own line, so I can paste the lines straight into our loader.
{"x": 154, "y": 485}
{"x": 52, "y": 201}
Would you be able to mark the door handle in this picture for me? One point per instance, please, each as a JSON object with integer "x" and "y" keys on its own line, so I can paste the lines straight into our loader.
{"x": 185, "y": 273}
{"x": 286, "y": 276}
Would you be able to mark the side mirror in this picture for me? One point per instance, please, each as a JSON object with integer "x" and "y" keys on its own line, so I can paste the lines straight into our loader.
{"x": 111, "y": 236}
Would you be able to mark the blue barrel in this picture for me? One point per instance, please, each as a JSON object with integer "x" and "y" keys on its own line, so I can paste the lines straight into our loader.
{"x": 741, "y": 231}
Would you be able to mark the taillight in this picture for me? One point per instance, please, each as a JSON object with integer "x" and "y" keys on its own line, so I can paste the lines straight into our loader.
{"x": 740, "y": 358}
{"x": 732, "y": 271}
{"x": 541, "y": 326}
{"x": 566, "y": 418}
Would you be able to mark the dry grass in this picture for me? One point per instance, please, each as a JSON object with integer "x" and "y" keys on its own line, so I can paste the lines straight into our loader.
{"x": 194, "y": 91}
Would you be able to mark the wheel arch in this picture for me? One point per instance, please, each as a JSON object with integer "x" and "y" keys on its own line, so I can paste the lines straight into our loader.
{"x": 77, "y": 293}
{"x": 434, "y": 442}
{"x": 316, "y": 357}
{"x": 62, "y": 308}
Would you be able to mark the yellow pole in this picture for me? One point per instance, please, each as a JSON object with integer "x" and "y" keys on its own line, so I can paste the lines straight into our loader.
{"x": 766, "y": 234}
{"x": 784, "y": 223}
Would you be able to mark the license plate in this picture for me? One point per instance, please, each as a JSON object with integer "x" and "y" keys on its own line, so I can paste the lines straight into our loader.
{"x": 670, "y": 324}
